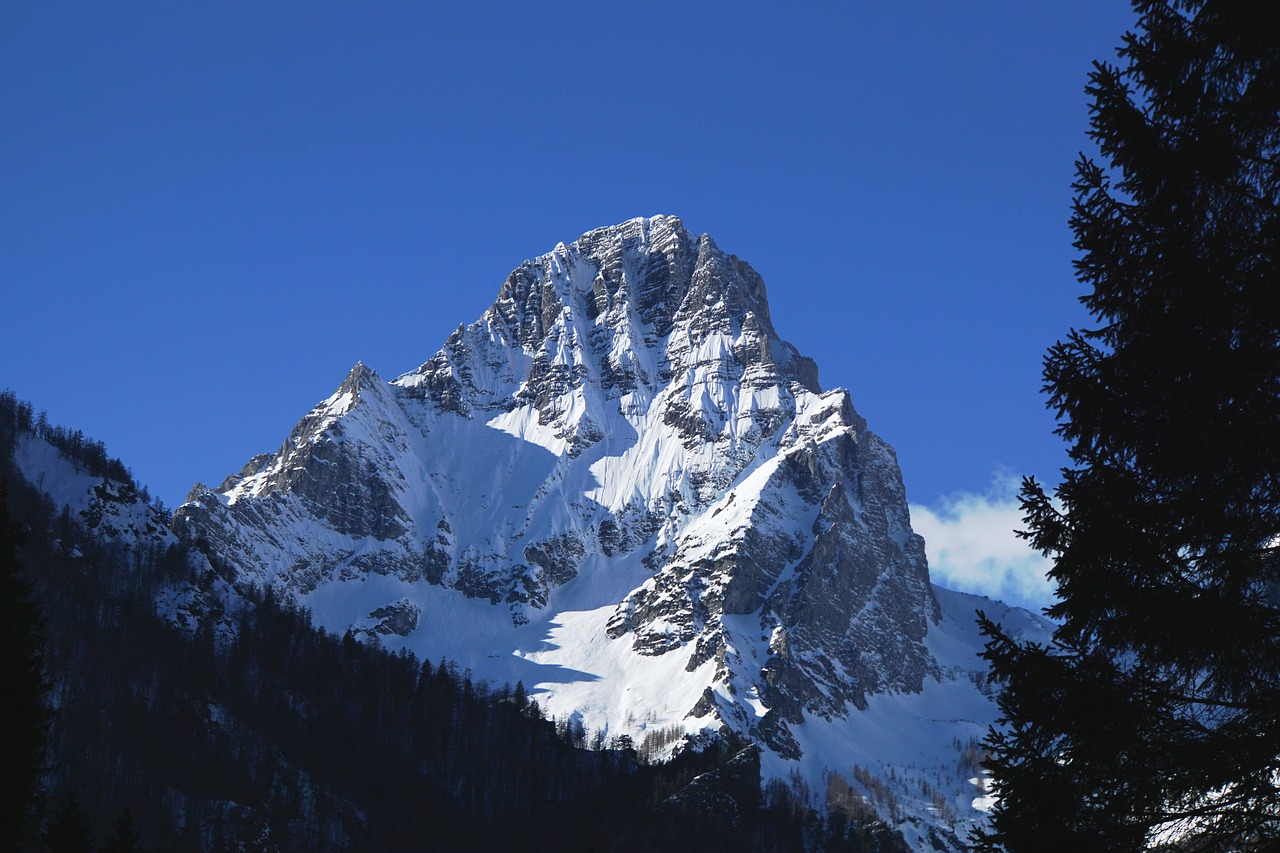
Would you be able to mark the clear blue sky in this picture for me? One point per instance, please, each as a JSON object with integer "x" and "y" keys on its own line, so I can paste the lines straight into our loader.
{"x": 209, "y": 212}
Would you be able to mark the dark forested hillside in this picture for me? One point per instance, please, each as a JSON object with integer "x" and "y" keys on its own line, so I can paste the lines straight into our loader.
{"x": 241, "y": 726}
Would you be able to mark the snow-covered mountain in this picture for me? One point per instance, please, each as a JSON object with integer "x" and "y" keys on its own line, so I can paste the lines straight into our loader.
{"x": 623, "y": 488}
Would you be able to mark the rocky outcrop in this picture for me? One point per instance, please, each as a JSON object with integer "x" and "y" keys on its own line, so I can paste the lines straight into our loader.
{"x": 400, "y": 618}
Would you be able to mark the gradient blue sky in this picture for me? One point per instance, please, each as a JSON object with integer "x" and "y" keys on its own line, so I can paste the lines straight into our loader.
{"x": 209, "y": 212}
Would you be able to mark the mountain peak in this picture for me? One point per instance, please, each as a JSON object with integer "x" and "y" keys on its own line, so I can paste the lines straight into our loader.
{"x": 628, "y": 306}
{"x": 361, "y": 375}
{"x": 624, "y": 474}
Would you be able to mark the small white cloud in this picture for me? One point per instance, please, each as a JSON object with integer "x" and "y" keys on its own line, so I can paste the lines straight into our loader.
{"x": 972, "y": 546}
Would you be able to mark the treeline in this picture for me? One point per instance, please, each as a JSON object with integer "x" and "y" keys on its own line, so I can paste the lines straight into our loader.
{"x": 260, "y": 731}
{"x": 85, "y": 453}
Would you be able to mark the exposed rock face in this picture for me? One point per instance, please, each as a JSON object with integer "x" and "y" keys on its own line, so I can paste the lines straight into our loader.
{"x": 622, "y": 432}
{"x": 399, "y": 618}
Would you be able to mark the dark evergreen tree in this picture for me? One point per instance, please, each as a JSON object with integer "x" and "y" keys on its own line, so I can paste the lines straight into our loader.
{"x": 520, "y": 697}
{"x": 1154, "y": 715}
{"x": 26, "y": 718}
{"x": 123, "y": 838}
{"x": 69, "y": 830}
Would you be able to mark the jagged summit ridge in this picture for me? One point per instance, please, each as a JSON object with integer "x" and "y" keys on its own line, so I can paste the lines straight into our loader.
{"x": 604, "y": 325}
{"x": 622, "y": 448}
